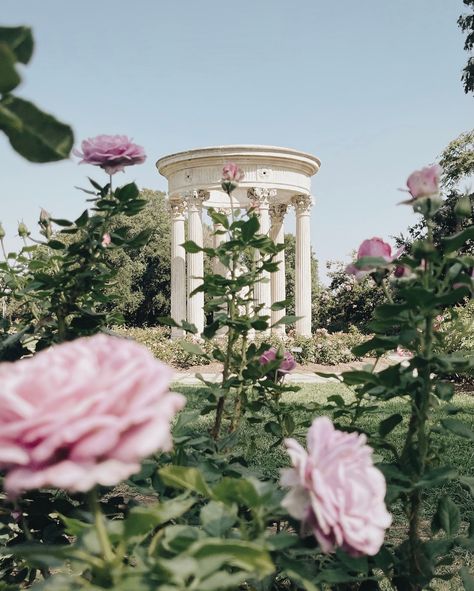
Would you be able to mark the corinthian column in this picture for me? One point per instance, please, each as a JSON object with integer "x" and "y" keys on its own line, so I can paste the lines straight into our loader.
{"x": 277, "y": 279}
{"x": 302, "y": 205}
{"x": 260, "y": 199}
{"x": 195, "y": 259}
{"x": 178, "y": 265}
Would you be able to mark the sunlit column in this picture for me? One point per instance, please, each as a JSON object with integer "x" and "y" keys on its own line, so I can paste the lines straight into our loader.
{"x": 302, "y": 205}
{"x": 277, "y": 279}
{"x": 260, "y": 199}
{"x": 195, "y": 259}
{"x": 177, "y": 209}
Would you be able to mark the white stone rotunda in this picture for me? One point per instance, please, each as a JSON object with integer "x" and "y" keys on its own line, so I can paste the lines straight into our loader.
{"x": 275, "y": 180}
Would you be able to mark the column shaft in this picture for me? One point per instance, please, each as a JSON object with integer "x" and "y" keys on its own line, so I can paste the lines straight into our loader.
{"x": 302, "y": 205}
{"x": 178, "y": 266}
{"x": 277, "y": 279}
{"x": 260, "y": 199}
{"x": 195, "y": 259}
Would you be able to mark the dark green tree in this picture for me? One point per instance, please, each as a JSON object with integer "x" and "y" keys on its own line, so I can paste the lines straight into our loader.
{"x": 466, "y": 23}
{"x": 346, "y": 302}
{"x": 142, "y": 286}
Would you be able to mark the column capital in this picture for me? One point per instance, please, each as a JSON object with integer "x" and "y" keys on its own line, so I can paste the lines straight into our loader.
{"x": 195, "y": 199}
{"x": 278, "y": 212}
{"x": 260, "y": 197}
{"x": 302, "y": 203}
{"x": 177, "y": 208}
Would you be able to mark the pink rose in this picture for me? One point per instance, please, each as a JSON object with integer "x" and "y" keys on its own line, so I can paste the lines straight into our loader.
{"x": 83, "y": 413}
{"x": 111, "y": 152}
{"x": 336, "y": 491}
{"x": 424, "y": 182}
{"x": 287, "y": 364}
{"x": 373, "y": 247}
{"x": 231, "y": 172}
{"x": 231, "y": 177}
{"x": 106, "y": 240}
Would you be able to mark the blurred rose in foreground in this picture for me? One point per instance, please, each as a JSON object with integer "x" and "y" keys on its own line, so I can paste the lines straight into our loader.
{"x": 111, "y": 152}
{"x": 83, "y": 413}
{"x": 424, "y": 182}
{"x": 336, "y": 491}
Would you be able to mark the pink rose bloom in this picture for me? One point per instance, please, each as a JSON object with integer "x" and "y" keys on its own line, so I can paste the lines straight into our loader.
{"x": 83, "y": 413}
{"x": 111, "y": 152}
{"x": 106, "y": 240}
{"x": 373, "y": 247}
{"x": 231, "y": 172}
{"x": 287, "y": 364}
{"x": 424, "y": 182}
{"x": 231, "y": 177}
{"x": 336, "y": 491}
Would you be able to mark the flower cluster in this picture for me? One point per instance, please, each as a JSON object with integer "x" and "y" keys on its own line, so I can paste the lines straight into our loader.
{"x": 336, "y": 491}
{"x": 83, "y": 413}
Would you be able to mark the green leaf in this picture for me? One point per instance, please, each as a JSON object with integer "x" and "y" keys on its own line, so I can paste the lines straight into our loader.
{"x": 467, "y": 578}
{"x": 375, "y": 344}
{"x": 448, "y": 516}
{"x": 9, "y": 77}
{"x": 42, "y": 138}
{"x": 20, "y": 42}
{"x": 217, "y": 518}
{"x": 452, "y": 243}
{"x": 186, "y": 478}
{"x": 437, "y": 476}
{"x": 279, "y": 305}
{"x": 468, "y": 481}
{"x": 143, "y": 519}
{"x": 389, "y": 424}
{"x": 191, "y": 247}
{"x": 191, "y": 348}
{"x": 245, "y": 555}
{"x": 286, "y": 320}
{"x": 9, "y": 119}
{"x": 250, "y": 228}
{"x": 127, "y": 192}
{"x": 458, "y": 428}
{"x": 56, "y": 245}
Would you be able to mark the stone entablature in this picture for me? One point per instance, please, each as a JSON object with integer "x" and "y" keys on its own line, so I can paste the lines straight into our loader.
{"x": 275, "y": 179}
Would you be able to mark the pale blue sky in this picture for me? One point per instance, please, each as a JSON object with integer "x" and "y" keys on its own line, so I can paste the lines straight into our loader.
{"x": 370, "y": 87}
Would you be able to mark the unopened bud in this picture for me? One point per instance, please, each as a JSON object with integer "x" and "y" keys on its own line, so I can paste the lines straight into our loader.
{"x": 23, "y": 230}
{"x": 463, "y": 207}
{"x": 2, "y": 232}
{"x": 45, "y": 223}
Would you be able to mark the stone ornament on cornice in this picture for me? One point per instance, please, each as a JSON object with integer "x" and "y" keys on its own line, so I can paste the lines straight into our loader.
{"x": 278, "y": 212}
{"x": 302, "y": 203}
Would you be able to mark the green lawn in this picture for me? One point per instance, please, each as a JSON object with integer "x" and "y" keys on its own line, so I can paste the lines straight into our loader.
{"x": 256, "y": 447}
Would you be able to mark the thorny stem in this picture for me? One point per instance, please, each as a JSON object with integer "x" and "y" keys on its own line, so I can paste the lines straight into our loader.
{"x": 417, "y": 430}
